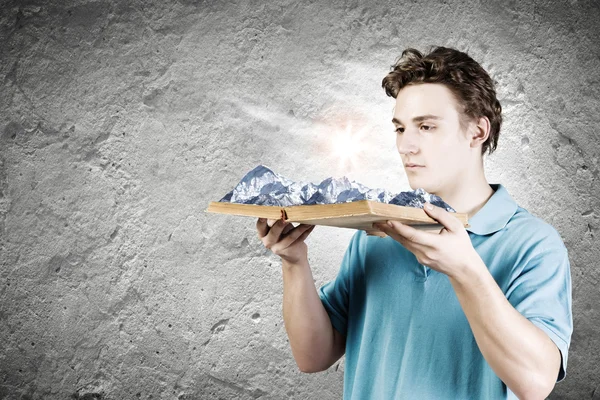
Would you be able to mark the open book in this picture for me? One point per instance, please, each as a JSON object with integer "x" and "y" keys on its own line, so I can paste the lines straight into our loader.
{"x": 354, "y": 215}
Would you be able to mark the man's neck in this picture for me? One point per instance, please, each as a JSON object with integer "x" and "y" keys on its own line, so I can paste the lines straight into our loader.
{"x": 468, "y": 195}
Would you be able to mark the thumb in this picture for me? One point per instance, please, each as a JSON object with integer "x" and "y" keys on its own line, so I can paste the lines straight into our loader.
{"x": 442, "y": 216}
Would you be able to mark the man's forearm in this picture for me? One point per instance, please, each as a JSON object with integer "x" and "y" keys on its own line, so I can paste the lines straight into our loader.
{"x": 307, "y": 324}
{"x": 520, "y": 353}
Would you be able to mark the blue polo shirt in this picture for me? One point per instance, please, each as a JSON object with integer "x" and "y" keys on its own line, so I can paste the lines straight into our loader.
{"x": 406, "y": 333}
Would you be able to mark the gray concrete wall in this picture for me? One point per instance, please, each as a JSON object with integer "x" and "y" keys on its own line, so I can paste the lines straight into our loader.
{"x": 121, "y": 121}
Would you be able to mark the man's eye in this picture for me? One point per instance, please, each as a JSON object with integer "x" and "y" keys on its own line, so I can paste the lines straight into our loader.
{"x": 399, "y": 130}
{"x": 427, "y": 126}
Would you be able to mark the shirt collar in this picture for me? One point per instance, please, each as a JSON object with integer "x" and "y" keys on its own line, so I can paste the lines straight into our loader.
{"x": 495, "y": 214}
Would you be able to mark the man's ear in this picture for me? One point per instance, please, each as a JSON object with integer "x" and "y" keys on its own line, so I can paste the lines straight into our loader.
{"x": 480, "y": 132}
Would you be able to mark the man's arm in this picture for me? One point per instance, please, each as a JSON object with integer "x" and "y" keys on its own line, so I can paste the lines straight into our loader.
{"x": 315, "y": 344}
{"x": 521, "y": 354}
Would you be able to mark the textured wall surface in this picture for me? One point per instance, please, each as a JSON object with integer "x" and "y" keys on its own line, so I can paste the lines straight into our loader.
{"x": 121, "y": 120}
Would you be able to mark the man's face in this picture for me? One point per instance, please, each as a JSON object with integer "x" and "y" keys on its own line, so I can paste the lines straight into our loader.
{"x": 434, "y": 142}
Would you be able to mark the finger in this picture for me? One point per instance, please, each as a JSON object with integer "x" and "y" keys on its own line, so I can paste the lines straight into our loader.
{"x": 373, "y": 232}
{"x": 287, "y": 228}
{"x": 261, "y": 227}
{"x": 305, "y": 234}
{"x": 411, "y": 234}
{"x": 407, "y": 232}
{"x": 274, "y": 233}
{"x": 449, "y": 221}
{"x": 413, "y": 247}
{"x": 298, "y": 233}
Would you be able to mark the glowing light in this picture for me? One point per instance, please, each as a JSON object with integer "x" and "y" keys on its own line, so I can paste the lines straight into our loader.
{"x": 346, "y": 145}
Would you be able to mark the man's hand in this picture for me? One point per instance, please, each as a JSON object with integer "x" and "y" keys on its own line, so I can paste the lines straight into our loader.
{"x": 521, "y": 354}
{"x": 285, "y": 240}
{"x": 450, "y": 251}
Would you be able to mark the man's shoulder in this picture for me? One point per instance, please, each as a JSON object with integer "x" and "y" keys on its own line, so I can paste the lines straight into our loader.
{"x": 527, "y": 227}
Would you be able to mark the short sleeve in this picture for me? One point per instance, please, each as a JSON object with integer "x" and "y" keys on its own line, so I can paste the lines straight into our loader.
{"x": 335, "y": 293}
{"x": 542, "y": 294}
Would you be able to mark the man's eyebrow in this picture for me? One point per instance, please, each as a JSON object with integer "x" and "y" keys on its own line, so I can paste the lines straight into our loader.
{"x": 418, "y": 119}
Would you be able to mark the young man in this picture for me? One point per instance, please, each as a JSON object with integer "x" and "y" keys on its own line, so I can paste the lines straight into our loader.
{"x": 476, "y": 313}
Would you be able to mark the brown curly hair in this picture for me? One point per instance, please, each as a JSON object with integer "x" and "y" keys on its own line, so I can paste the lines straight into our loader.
{"x": 470, "y": 84}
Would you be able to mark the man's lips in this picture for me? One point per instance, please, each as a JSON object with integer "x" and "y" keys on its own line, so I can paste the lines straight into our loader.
{"x": 413, "y": 165}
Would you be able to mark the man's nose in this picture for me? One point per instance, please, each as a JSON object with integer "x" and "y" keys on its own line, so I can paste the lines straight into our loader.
{"x": 408, "y": 143}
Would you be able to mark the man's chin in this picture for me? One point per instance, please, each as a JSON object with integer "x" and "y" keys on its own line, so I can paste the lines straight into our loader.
{"x": 416, "y": 184}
